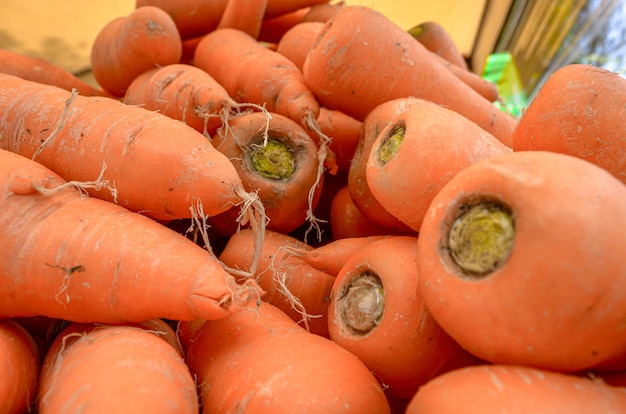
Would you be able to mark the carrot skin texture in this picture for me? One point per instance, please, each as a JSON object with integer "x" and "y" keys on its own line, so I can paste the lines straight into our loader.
{"x": 280, "y": 7}
{"x": 437, "y": 143}
{"x": 228, "y": 55}
{"x": 36, "y": 69}
{"x": 404, "y": 347}
{"x": 296, "y": 43}
{"x": 578, "y": 111}
{"x": 562, "y": 279}
{"x": 308, "y": 284}
{"x": 491, "y": 389}
{"x": 128, "y": 46}
{"x": 273, "y": 29}
{"x": 78, "y": 258}
{"x": 106, "y": 367}
{"x": 20, "y": 367}
{"x": 181, "y": 164}
{"x": 438, "y": 40}
{"x": 244, "y": 15}
{"x": 240, "y": 350}
{"x": 354, "y": 74}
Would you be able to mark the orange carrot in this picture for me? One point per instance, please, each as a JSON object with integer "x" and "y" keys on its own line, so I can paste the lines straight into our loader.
{"x": 354, "y": 74}
{"x": 20, "y": 367}
{"x": 68, "y": 256}
{"x": 192, "y": 18}
{"x": 107, "y": 368}
{"x": 578, "y": 111}
{"x": 323, "y": 12}
{"x": 183, "y": 92}
{"x": 129, "y": 45}
{"x": 423, "y": 148}
{"x": 273, "y": 29}
{"x": 289, "y": 283}
{"x": 244, "y": 15}
{"x": 144, "y": 160}
{"x": 347, "y": 220}
{"x": 519, "y": 263}
{"x": 280, "y": 7}
{"x": 378, "y": 313}
{"x": 296, "y": 43}
{"x": 491, "y": 389}
{"x": 362, "y": 196}
{"x": 260, "y": 361}
{"x": 436, "y": 38}
{"x": 281, "y": 167}
{"x": 43, "y": 71}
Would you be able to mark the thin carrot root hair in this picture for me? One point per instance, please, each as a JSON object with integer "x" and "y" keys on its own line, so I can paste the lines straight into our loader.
{"x": 98, "y": 184}
{"x": 234, "y": 108}
{"x": 67, "y": 111}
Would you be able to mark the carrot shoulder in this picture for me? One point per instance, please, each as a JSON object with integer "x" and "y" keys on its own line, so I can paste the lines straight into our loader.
{"x": 68, "y": 256}
{"x": 141, "y": 159}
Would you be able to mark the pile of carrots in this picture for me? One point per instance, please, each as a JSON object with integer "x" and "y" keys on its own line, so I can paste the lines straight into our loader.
{"x": 298, "y": 206}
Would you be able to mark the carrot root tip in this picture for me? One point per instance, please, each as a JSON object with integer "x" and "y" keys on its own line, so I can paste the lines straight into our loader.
{"x": 481, "y": 238}
{"x": 362, "y": 303}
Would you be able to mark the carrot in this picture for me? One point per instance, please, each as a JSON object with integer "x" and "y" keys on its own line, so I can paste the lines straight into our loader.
{"x": 277, "y": 160}
{"x": 519, "y": 264}
{"x": 260, "y": 361}
{"x": 491, "y": 389}
{"x": 323, "y": 12}
{"x": 129, "y": 45}
{"x": 244, "y": 15}
{"x": 354, "y": 74}
{"x": 141, "y": 159}
{"x": 295, "y": 287}
{"x": 280, "y": 7}
{"x": 105, "y": 367}
{"x": 362, "y": 197}
{"x": 296, "y": 43}
{"x": 183, "y": 92}
{"x": 20, "y": 367}
{"x": 377, "y": 312}
{"x": 344, "y": 132}
{"x": 436, "y": 38}
{"x": 347, "y": 220}
{"x": 192, "y": 18}
{"x": 273, "y": 29}
{"x": 78, "y": 258}
{"x": 578, "y": 111}
{"x": 423, "y": 148}
{"x": 40, "y": 70}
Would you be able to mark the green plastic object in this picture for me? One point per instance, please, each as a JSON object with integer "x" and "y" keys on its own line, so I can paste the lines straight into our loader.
{"x": 500, "y": 68}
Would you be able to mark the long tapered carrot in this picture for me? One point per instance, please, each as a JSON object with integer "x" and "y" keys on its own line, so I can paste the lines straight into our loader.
{"x": 20, "y": 359}
{"x": 436, "y": 38}
{"x": 259, "y": 361}
{"x": 515, "y": 389}
{"x": 40, "y": 70}
{"x": 129, "y": 45}
{"x": 106, "y": 368}
{"x": 295, "y": 287}
{"x": 578, "y": 111}
{"x": 423, "y": 148}
{"x": 69, "y": 256}
{"x": 356, "y": 73}
{"x": 143, "y": 160}
{"x": 521, "y": 261}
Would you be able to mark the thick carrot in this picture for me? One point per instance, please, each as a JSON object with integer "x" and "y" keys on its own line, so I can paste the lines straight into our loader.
{"x": 521, "y": 261}
{"x": 40, "y": 70}
{"x": 289, "y": 283}
{"x": 347, "y": 220}
{"x": 491, "y": 389}
{"x": 362, "y": 196}
{"x": 107, "y": 368}
{"x": 183, "y": 92}
{"x": 144, "y": 160}
{"x": 68, "y": 256}
{"x": 378, "y": 313}
{"x": 273, "y": 29}
{"x": 421, "y": 150}
{"x": 277, "y": 159}
{"x": 192, "y": 17}
{"x": 129, "y": 45}
{"x": 436, "y": 38}
{"x": 260, "y": 361}
{"x": 20, "y": 360}
{"x": 244, "y": 15}
{"x": 296, "y": 43}
{"x": 354, "y": 74}
{"x": 578, "y": 111}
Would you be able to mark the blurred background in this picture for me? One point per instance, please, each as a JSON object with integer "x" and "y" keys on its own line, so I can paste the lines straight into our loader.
{"x": 536, "y": 36}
